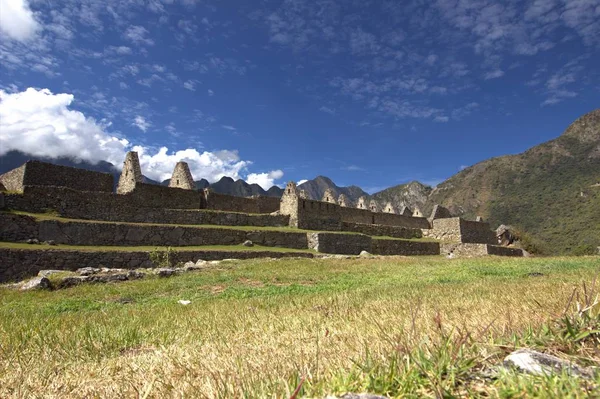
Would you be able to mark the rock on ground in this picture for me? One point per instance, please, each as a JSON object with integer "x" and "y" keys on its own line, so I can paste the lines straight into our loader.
{"x": 35, "y": 284}
{"x": 533, "y": 362}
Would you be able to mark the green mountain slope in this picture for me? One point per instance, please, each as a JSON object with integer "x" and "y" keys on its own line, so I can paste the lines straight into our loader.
{"x": 550, "y": 191}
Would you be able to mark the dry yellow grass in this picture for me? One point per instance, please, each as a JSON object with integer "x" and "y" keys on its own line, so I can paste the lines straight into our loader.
{"x": 255, "y": 328}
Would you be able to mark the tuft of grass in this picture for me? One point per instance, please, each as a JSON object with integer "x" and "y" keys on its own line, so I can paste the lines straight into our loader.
{"x": 404, "y": 327}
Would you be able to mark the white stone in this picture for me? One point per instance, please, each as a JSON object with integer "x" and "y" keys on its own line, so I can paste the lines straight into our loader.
{"x": 184, "y": 302}
{"x": 532, "y": 362}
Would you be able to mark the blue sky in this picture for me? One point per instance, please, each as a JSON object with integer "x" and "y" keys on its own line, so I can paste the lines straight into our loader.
{"x": 372, "y": 93}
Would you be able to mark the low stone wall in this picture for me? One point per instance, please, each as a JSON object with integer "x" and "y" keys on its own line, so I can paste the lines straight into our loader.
{"x": 382, "y": 230}
{"x": 332, "y": 243}
{"x": 18, "y": 264}
{"x": 365, "y": 216}
{"x": 15, "y": 228}
{"x": 460, "y": 230}
{"x": 20, "y": 227}
{"x": 504, "y": 251}
{"x": 403, "y": 247}
{"x": 474, "y": 249}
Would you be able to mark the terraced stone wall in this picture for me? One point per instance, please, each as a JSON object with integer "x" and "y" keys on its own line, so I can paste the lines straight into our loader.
{"x": 382, "y": 230}
{"x": 22, "y": 227}
{"x": 404, "y": 247}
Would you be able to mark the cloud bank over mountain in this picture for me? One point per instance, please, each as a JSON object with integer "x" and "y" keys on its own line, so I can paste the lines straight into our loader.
{"x": 41, "y": 123}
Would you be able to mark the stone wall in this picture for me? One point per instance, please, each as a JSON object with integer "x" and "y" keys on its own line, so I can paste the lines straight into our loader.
{"x": 461, "y": 230}
{"x": 224, "y": 202}
{"x": 154, "y": 196}
{"x": 381, "y": 246}
{"x": 332, "y": 243}
{"x": 13, "y": 180}
{"x": 47, "y": 174}
{"x": 318, "y": 215}
{"x": 18, "y": 264}
{"x": 473, "y": 250}
{"x": 365, "y": 216}
{"x": 21, "y": 227}
{"x": 477, "y": 232}
{"x": 144, "y": 200}
{"x": 382, "y": 230}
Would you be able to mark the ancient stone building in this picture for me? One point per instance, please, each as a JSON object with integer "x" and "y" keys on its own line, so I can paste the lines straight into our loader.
{"x": 417, "y": 213}
{"x": 131, "y": 173}
{"x": 389, "y": 208}
{"x": 182, "y": 177}
{"x": 374, "y": 206}
{"x": 329, "y": 196}
{"x": 344, "y": 201}
{"x": 303, "y": 194}
{"x": 362, "y": 203}
{"x": 479, "y": 219}
{"x": 405, "y": 211}
{"x": 439, "y": 212}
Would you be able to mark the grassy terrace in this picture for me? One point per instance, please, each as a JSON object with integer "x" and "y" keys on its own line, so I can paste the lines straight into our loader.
{"x": 411, "y": 327}
{"x": 93, "y": 248}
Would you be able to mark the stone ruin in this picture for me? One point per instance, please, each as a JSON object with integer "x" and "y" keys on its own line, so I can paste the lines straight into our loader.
{"x": 343, "y": 200}
{"x": 131, "y": 174}
{"x": 182, "y": 177}
{"x": 389, "y": 208}
{"x": 362, "y": 203}
{"x": 329, "y": 196}
{"x": 406, "y": 211}
{"x": 141, "y": 214}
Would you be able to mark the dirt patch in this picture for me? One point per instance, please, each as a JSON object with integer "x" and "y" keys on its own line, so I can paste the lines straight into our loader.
{"x": 251, "y": 283}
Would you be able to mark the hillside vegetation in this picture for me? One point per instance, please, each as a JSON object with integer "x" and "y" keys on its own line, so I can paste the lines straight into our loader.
{"x": 550, "y": 191}
{"x": 403, "y": 327}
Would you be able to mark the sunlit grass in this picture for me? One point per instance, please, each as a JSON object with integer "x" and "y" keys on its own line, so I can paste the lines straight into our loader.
{"x": 398, "y": 326}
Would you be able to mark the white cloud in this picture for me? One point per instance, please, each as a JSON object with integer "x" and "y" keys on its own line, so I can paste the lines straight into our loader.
{"x": 493, "y": 74}
{"x": 265, "y": 180}
{"x": 41, "y": 123}
{"x": 210, "y": 92}
{"x": 327, "y": 110}
{"x": 17, "y": 21}
{"x": 137, "y": 35}
{"x": 190, "y": 85}
{"x": 141, "y": 123}
{"x": 229, "y": 127}
{"x": 302, "y": 181}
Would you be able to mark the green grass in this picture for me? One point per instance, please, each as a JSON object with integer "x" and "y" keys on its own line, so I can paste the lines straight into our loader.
{"x": 404, "y": 327}
{"x": 148, "y": 248}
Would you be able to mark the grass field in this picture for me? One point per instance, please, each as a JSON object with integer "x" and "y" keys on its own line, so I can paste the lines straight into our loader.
{"x": 404, "y": 327}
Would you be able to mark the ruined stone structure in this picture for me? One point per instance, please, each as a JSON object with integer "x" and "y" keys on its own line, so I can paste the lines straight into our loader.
{"x": 362, "y": 203}
{"x": 131, "y": 174}
{"x": 389, "y": 208}
{"x": 406, "y": 211}
{"x": 329, "y": 196}
{"x": 139, "y": 214}
{"x": 374, "y": 206}
{"x": 417, "y": 213}
{"x": 182, "y": 177}
{"x": 343, "y": 200}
